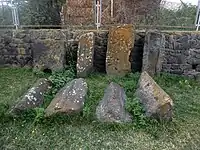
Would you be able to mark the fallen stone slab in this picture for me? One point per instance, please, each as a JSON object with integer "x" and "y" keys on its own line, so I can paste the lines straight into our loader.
{"x": 85, "y": 54}
{"x": 155, "y": 100}
{"x": 33, "y": 98}
{"x": 112, "y": 107}
{"x": 70, "y": 99}
{"x": 120, "y": 43}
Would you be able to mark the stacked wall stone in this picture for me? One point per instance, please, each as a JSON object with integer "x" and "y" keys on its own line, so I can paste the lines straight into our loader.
{"x": 15, "y": 49}
{"x": 182, "y": 53}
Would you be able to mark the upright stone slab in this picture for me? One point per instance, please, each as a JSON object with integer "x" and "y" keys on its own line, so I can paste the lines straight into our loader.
{"x": 49, "y": 54}
{"x": 120, "y": 43}
{"x": 156, "y": 101}
{"x": 153, "y": 52}
{"x": 85, "y": 54}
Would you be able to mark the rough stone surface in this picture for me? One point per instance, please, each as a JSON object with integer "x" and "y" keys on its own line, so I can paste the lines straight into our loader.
{"x": 120, "y": 44}
{"x": 85, "y": 54}
{"x": 112, "y": 107}
{"x": 49, "y": 54}
{"x": 17, "y": 47}
{"x": 182, "y": 53}
{"x": 153, "y": 54}
{"x": 156, "y": 101}
{"x": 14, "y": 50}
{"x": 70, "y": 99}
{"x": 33, "y": 98}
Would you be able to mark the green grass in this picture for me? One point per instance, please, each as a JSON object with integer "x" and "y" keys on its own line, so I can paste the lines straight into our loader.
{"x": 84, "y": 132}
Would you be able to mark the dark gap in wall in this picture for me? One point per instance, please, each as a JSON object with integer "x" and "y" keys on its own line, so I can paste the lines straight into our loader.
{"x": 47, "y": 70}
{"x": 71, "y": 54}
{"x": 136, "y": 55}
{"x": 100, "y": 50}
{"x": 194, "y": 66}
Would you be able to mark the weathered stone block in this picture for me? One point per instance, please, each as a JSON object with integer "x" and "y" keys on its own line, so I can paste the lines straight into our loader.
{"x": 155, "y": 100}
{"x": 33, "y": 98}
{"x": 49, "y": 54}
{"x": 120, "y": 43}
{"x": 85, "y": 54}
{"x": 153, "y": 52}
{"x": 112, "y": 107}
{"x": 70, "y": 99}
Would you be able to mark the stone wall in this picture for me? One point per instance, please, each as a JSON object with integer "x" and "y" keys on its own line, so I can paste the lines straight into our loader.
{"x": 15, "y": 49}
{"x": 26, "y": 47}
{"x": 182, "y": 53}
{"x": 176, "y": 53}
{"x": 47, "y": 48}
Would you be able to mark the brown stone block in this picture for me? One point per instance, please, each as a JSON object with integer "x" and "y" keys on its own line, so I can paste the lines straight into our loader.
{"x": 120, "y": 43}
{"x": 156, "y": 102}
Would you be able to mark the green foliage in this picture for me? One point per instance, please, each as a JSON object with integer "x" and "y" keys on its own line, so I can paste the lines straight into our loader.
{"x": 134, "y": 107}
{"x": 39, "y": 115}
{"x": 183, "y": 16}
{"x": 5, "y": 16}
{"x": 59, "y": 79}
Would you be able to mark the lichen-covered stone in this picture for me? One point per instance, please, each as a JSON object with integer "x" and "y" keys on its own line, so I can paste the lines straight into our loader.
{"x": 120, "y": 44}
{"x": 70, "y": 99}
{"x": 153, "y": 54}
{"x": 112, "y": 107}
{"x": 49, "y": 54}
{"x": 155, "y": 100}
{"x": 85, "y": 54}
{"x": 33, "y": 98}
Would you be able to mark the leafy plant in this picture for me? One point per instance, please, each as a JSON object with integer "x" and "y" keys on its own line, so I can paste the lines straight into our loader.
{"x": 135, "y": 109}
{"x": 39, "y": 114}
{"x": 59, "y": 79}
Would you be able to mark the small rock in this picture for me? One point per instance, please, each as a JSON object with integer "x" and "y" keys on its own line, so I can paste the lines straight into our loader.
{"x": 112, "y": 107}
{"x": 70, "y": 99}
{"x": 156, "y": 101}
{"x": 33, "y": 98}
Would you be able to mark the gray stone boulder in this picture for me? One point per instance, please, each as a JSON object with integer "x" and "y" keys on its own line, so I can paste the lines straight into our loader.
{"x": 156, "y": 102}
{"x": 70, "y": 99}
{"x": 112, "y": 107}
{"x": 33, "y": 98}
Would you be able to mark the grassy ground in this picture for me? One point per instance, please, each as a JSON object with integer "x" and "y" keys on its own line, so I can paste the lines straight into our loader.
{"x": 83, "y": 132}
